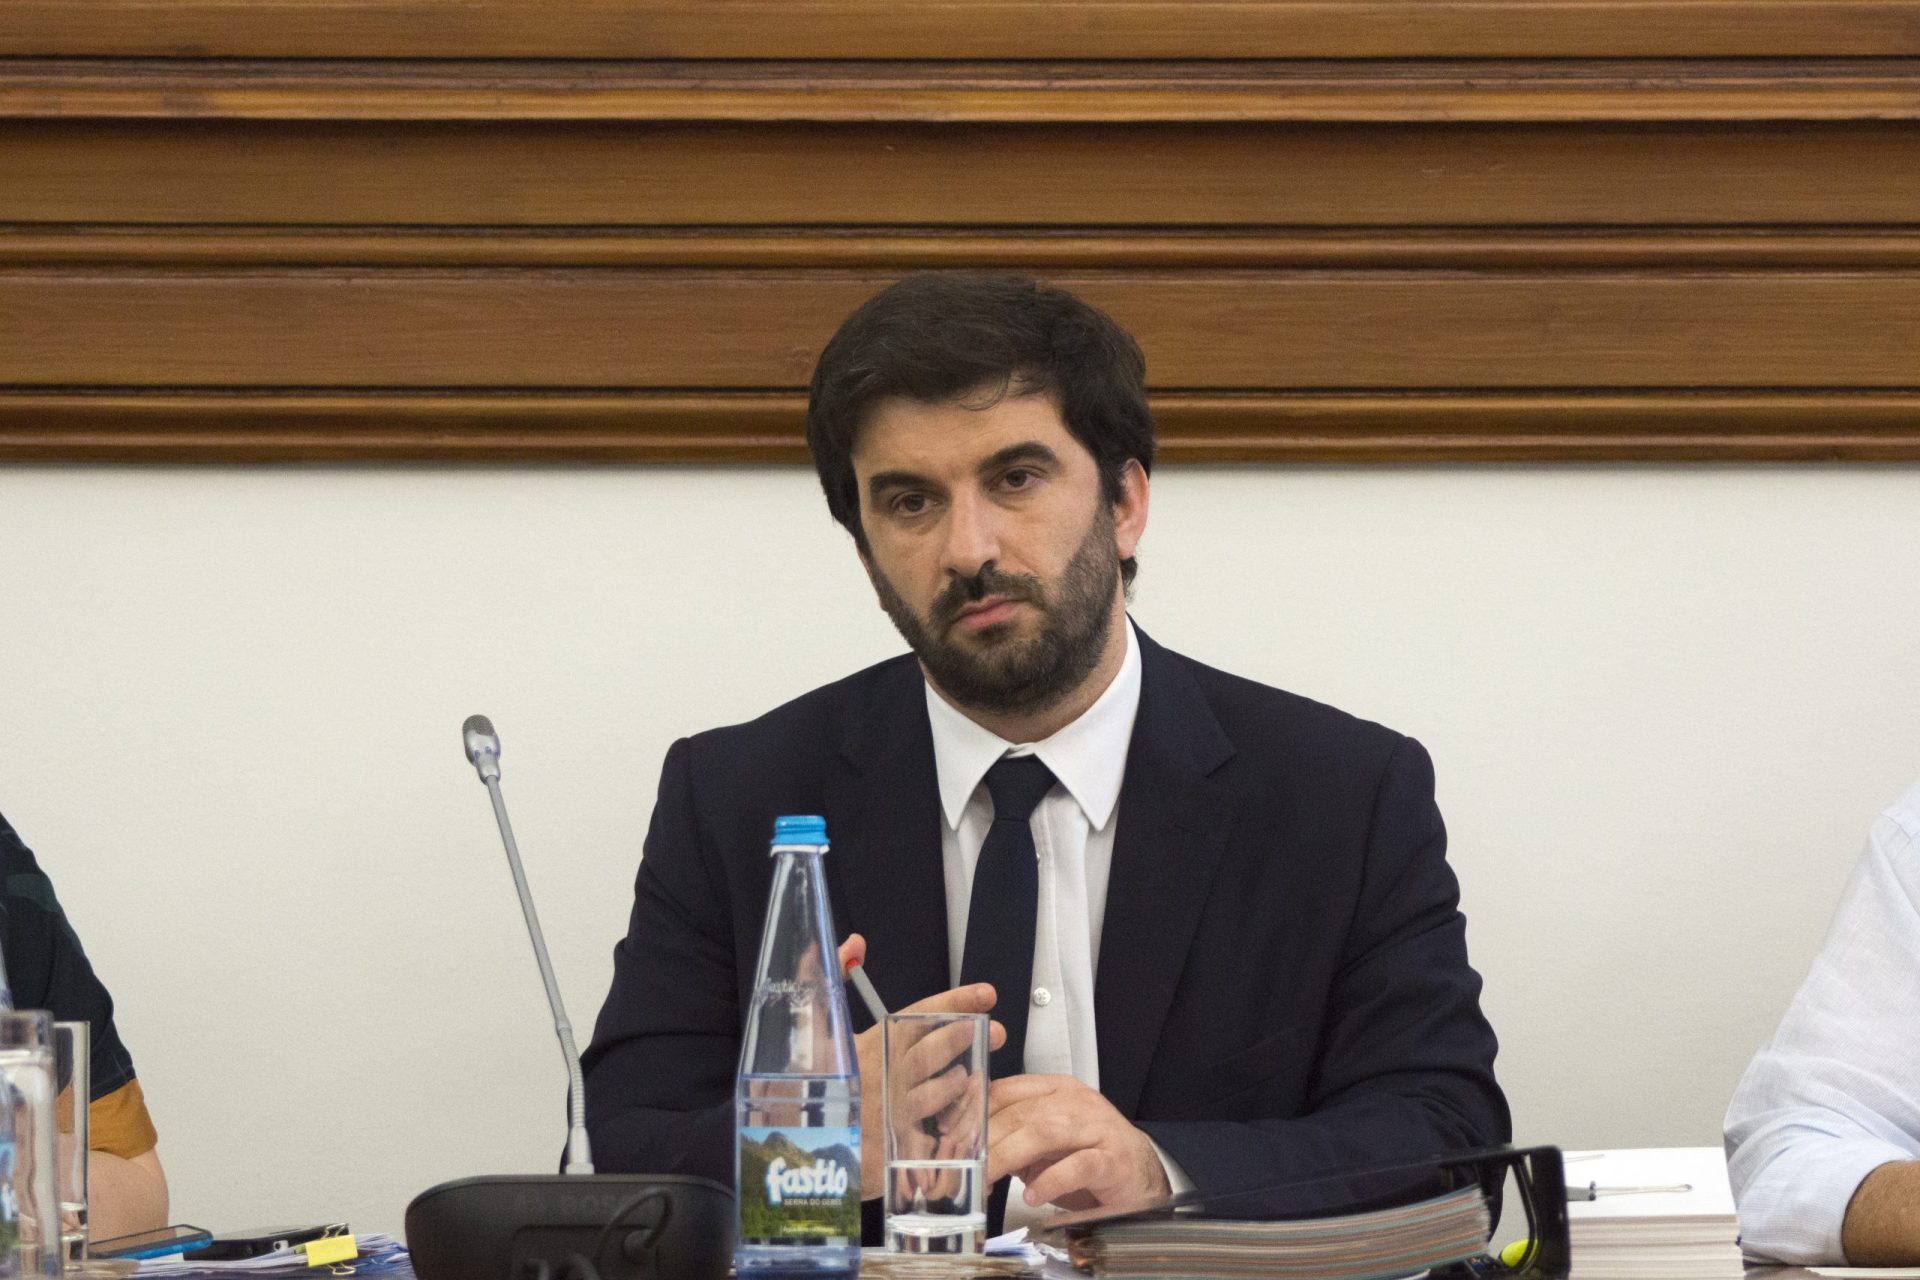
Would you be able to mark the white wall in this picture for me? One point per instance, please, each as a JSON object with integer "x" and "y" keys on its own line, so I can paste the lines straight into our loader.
{"x": 1664, "y": 703}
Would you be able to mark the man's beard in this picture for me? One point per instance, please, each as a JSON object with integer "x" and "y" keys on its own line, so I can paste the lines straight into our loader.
{"x": 1001, "y": 672}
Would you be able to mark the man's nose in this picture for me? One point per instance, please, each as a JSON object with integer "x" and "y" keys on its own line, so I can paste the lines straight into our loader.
{"x": 973, "y": 537}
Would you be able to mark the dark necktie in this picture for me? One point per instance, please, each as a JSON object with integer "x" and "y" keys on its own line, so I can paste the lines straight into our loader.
{"x": 1005, "y": 902}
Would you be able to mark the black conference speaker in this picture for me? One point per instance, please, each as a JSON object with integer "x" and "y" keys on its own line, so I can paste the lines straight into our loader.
{"x": 606, "y": 1226}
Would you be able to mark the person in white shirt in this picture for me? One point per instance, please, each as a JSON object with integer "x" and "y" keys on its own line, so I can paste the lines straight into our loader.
{"x": 1823, "y": 1134}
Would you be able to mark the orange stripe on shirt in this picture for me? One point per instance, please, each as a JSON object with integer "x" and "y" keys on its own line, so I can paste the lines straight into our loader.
{"x": 119, "y": 1125}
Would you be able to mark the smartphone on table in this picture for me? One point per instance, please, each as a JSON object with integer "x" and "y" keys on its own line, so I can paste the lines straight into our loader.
{"x": 231, "y": 1246}
{"x": 152, "y": 1244}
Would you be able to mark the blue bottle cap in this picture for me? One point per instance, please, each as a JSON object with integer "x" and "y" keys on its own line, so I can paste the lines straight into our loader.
{"x": 800, "y": 828}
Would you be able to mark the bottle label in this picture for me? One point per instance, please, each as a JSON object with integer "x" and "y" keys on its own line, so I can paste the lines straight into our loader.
{"x": 800, "y": 1183}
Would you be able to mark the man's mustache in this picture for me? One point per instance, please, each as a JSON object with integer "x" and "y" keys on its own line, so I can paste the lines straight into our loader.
{"x": 990, "y": 581}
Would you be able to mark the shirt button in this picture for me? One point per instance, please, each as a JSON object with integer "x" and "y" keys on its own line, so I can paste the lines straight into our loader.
{"x": 1042, "y": 997}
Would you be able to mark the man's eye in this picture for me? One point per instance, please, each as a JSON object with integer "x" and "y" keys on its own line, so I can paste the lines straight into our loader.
{"x": 1018, "y": 478}
{"x": 910, "y": 504}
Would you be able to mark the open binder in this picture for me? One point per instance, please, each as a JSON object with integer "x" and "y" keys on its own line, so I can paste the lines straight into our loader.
{"x": 1432, "y": 1215}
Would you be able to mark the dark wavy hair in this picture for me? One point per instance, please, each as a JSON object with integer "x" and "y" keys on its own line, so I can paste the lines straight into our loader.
{"x": 976, "y": 336}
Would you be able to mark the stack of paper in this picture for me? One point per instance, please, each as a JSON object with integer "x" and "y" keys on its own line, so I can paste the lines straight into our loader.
{"x": 1355, "y": 1246}
{"x": 369, "y": 1253}
{"x": 1665, "y": 1211}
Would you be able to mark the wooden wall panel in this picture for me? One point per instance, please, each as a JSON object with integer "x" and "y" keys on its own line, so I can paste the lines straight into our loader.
{"x": 417, "y": 249}
{"x": 1239, "y": 331}
{"x": 944, "y": 29}
{"x": 788, "y": 176}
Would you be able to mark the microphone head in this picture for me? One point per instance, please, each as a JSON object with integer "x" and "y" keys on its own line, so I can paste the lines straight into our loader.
{"x": 482, "y": 745}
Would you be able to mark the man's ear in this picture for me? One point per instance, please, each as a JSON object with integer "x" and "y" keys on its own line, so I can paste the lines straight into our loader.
{"x": 1130, "y": 511}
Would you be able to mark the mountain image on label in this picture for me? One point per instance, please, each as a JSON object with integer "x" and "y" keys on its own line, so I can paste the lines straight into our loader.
{"x": 794, "y": 1191}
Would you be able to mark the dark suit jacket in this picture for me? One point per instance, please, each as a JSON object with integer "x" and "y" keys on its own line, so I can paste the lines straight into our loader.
{"x": 1283, "y": 987}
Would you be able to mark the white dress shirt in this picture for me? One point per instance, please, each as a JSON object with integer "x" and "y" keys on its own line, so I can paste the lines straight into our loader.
{"x": 1836, "y": 1092}
{"x": 1073, "y": 829}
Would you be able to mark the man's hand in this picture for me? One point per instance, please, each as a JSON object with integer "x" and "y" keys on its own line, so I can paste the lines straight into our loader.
{"x": 1068, "y": 1144}
{"x": 977, "y": 998}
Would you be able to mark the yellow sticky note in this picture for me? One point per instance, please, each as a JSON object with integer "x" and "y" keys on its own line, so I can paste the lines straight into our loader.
{"x": 329, "y": 1250}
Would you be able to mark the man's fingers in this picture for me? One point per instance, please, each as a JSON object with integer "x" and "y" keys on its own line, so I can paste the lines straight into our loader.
{"x": 1022, "y": 1147}
{"x": 934, "y": 1052}
{"x": 909, "y": 1039}
{"x": 975, "y": 998}
{"x": 932, "y": 1096}
{"x": 966, "y": 1113}
{"x": 853, "y": 951}
{"x": 911, "y": 1144}
{"x": 1080, "y": 1171}
{"x": 1012, "y": 1159}
{"x": 930, "y": 1064}
{"x": 1015, "y": 1089}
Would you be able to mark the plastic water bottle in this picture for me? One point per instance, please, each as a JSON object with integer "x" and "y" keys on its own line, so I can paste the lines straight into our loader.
{"x": 797, "y": 1099}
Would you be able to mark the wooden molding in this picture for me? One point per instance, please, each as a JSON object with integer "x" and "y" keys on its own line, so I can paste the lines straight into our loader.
{"x": 960, "y": 29}
{"x": 639, "y": 427}
{"x": 1537, "y": 92}
{"x": 871, "y": 249}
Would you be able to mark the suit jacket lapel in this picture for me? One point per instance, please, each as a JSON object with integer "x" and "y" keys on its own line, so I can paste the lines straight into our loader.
{"x": 884, "y": 821}
{"x": 1173, "y": 826}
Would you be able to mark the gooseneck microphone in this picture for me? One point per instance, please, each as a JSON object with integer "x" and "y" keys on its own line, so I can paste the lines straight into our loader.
{"x": 483, "y": 752}
{"x": 579, "y": 1225}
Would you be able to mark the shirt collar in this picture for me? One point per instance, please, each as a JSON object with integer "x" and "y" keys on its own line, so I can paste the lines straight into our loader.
{"x": 1088, "y": 756}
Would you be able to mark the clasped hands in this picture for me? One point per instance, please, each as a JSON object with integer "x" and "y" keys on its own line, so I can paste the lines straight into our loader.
{"x": 1065, "y": 1141}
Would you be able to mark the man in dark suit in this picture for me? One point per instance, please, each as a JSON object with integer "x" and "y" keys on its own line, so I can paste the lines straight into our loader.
{"x": 1214, "y": 921}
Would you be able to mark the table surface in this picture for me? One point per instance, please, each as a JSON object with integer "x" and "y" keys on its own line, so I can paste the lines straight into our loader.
{"x": 877, "y": 1264}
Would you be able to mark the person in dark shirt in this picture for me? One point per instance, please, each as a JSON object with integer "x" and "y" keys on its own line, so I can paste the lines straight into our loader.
{"x": 48, "y": 969}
